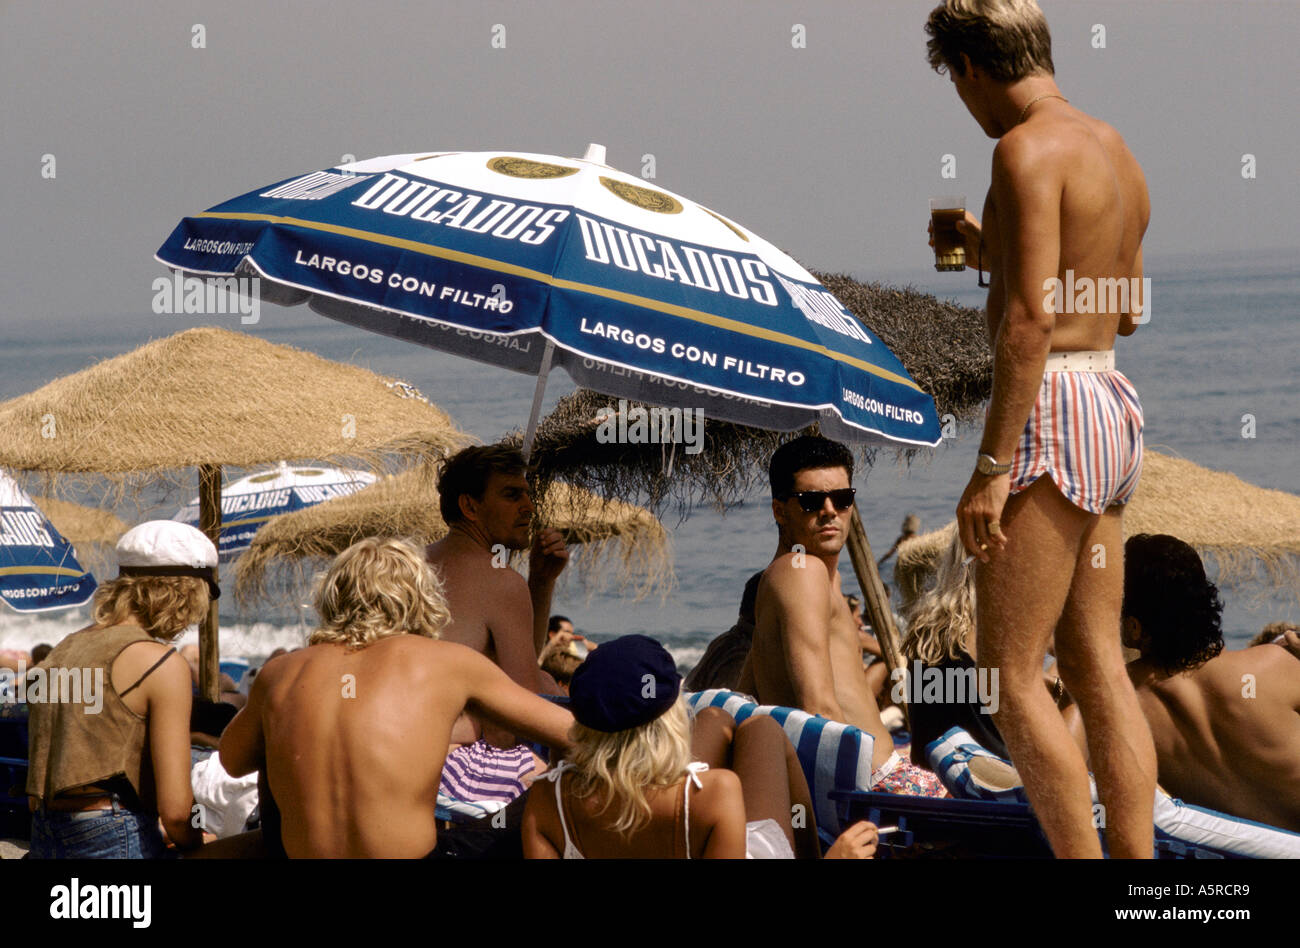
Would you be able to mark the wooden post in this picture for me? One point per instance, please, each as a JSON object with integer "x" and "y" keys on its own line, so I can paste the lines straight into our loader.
{"x": 210, "y": 524}
{"x": 873, "y": 594}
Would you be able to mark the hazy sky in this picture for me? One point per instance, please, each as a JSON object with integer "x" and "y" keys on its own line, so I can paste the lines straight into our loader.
{"x": 829, "y": 151}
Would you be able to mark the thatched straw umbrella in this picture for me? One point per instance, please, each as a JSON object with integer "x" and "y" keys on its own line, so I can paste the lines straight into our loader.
{"x": 82, "y": 526}
{"x": 1238, "y": 524}
{"x": 208, "y": 397}
{"x": 406, "y": 505}
{"x": 943, "y": 346}
{"x": 92, "y": 531}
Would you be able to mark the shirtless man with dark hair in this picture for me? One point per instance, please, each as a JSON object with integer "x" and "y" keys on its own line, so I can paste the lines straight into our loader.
{"x": 1067, "y": 208}
{"x": 806, "y": 652}
{"x": 485, "y": 499}
{"x": 1226, "y": 724}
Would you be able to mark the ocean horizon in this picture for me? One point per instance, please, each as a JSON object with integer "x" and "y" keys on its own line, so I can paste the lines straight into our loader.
{"x": 1218, "y": 349}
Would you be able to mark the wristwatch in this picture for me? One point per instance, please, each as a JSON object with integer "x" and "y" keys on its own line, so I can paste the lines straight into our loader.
{"x": 988, "y": 465}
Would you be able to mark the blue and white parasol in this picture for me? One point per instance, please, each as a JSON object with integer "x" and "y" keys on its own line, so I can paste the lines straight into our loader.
{"x": 38, "y": 567}
{"x": 523, "y": 260}
{"x": 249, "y": 502}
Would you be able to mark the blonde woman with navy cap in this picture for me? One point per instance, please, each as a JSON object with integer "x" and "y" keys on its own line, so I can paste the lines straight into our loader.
{"x": 630, "y": 788}
{"x": 108, "y": 760}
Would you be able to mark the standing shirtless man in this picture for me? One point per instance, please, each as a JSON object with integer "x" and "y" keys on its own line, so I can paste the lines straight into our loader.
{"x": 806, "y": 653}
{"x": 1066, "y": 195}
{"x": 352, "y": 731}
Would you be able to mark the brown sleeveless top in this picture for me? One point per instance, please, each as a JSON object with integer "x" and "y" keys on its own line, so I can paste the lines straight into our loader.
{"x": 71, "y": 745}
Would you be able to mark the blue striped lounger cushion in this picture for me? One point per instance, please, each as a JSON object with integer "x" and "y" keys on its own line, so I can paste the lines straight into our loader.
{"x": 952, "y": 755}
{"x": 461, "y": 811}
{"x": 834, "y": 756}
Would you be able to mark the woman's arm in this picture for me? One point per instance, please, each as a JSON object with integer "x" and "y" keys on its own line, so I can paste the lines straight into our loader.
{"x": 720, "y": 808}
{"x": 169, "y": 700}
{"x": 243, "y": 746}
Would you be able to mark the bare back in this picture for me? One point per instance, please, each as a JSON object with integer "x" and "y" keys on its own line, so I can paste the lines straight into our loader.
{"x": 806, "y": 641}
{"x": 1227, "y": 734}
{"x": 1104, "y": 211}
{"x": 355, "y": 746}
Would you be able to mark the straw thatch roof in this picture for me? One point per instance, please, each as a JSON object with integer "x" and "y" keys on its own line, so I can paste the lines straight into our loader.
{"x": 211, "y": 396}
{"x": 942, "y": 345}
{"x": 918, "y": 559}
{"x": 80, "y": 525}
{"x": 1250, "y": 532}
{"x": 616, "y": 538}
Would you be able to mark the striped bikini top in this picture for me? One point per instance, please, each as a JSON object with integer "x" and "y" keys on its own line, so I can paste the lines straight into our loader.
{"x": 571, "y": 851}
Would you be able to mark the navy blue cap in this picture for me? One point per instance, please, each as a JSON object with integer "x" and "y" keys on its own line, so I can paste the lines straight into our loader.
{"x": 624, "y": 684}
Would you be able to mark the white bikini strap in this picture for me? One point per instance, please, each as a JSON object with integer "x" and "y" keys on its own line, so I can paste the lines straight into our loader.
{"x": 554, "y": 777}
{"x": 693, "y": 770}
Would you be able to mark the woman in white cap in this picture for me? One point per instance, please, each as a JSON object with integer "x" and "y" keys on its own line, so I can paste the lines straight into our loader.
{"x": 633, "y": 790}
{"x": 111, "y": 757}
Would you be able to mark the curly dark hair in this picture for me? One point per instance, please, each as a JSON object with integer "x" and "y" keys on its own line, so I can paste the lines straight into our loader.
{"x": 805, "y": 453}
{"x": 1165, "y": 589}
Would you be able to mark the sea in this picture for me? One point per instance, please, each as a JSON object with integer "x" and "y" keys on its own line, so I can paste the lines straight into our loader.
{"x": 1215, "y": 369}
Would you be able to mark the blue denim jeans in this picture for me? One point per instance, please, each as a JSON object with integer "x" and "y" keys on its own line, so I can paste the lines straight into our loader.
{"x": 118, "y": 833}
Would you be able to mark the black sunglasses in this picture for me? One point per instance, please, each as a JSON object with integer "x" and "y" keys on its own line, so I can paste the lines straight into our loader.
{"x": 812, "y": 501}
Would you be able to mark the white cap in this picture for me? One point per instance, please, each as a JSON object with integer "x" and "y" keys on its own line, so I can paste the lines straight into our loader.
{"x": 168, "y": 548}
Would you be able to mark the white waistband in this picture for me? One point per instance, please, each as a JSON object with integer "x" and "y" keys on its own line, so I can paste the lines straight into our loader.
{"x": 885, "y": 769}
{"x": 1081, "y": 361}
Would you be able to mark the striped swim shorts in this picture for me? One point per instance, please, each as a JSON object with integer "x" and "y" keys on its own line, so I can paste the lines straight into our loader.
{"x": 1085, "y": 433}
{"x": 481, "y": 771}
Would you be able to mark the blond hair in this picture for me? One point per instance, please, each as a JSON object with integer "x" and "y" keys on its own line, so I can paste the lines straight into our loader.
{"x": 1008, "y": 39}
{"x": 377, "y": 588}
{"x": 941, "y": 621}
{"x": 164, "y": 606}
{"x": 621, "y": 766}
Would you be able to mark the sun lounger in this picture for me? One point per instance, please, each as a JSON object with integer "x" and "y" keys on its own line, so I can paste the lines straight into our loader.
{"x": 834, "y": 756}
{"x": 968, "y": 828}
{"x": 1183, "y": 831}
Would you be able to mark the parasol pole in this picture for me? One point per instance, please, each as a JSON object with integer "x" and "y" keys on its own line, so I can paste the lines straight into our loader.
{"x": 210, "y": 524}
{"x": 873, "y": 593}
{"x": 595, "y": 153}
{"x": 531, "y": 431}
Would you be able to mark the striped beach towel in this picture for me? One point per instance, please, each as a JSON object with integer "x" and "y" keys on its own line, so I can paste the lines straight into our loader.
{"x": 834, "y": 756}
{"x": 951, "y": 757}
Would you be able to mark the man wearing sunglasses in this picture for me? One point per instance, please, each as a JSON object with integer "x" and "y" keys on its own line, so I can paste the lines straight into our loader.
{"x": 806, "y": 652}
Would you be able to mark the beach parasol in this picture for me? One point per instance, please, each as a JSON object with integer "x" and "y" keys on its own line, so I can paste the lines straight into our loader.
{"x": 248, "y": 503}
{"x": 38, "y": 567}
{"x": 944, "y": 347}
{"x": 527, "y": 261}
{"x": 208, "y": 397}
{"x": 1243, "y": 527}
{"x": 406, "y": 505}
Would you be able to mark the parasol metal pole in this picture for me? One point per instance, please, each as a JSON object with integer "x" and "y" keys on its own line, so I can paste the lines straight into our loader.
{"x": 873, "y": 593}
{"x": 210, "y": 524}
{"x": 535, "y": 413}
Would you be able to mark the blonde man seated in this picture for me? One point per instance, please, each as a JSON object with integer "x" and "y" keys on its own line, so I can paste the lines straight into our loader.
{"x": 353, "y": 730}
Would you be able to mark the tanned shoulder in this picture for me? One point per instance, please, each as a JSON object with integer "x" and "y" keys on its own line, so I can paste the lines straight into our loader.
{"x": 721, "y": 793}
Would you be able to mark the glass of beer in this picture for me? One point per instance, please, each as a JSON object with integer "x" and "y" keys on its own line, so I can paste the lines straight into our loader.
{"x": 949, "y": 245}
